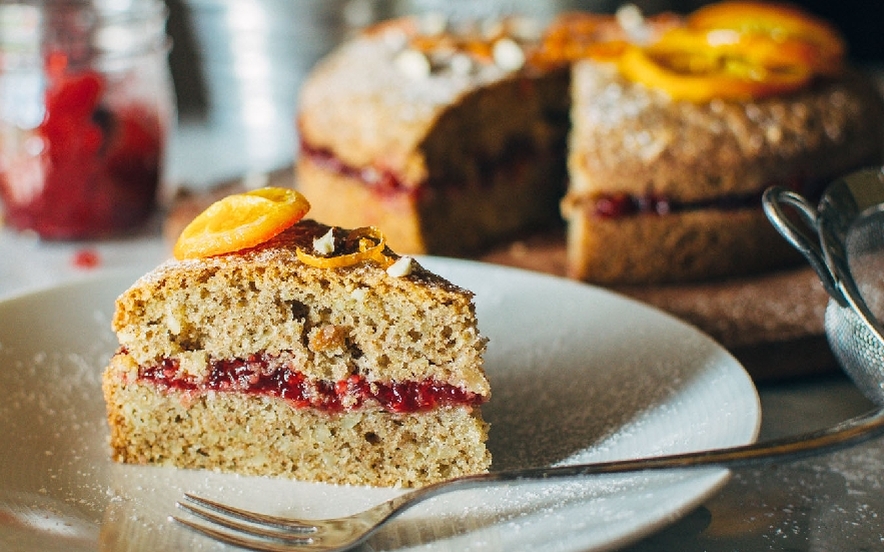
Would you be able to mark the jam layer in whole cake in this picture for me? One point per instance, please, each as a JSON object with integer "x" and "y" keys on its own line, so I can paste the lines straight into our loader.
{"x": 607, "y": 206}
{"x": 613, "y": 206}
{"x": 618, "y": 205}
{"x": 382, "y": 181}
{"x": 386, "y": 182}
{"x": 259, "y": 374}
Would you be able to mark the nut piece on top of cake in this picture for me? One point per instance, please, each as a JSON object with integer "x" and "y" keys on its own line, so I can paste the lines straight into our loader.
{"x": 275, "y": 345}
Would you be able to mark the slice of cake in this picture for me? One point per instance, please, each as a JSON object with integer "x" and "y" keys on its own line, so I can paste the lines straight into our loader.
{"x": 317, "y": 354}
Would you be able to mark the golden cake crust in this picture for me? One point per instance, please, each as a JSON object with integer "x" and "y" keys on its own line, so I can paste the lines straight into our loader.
{"x": 709, "y": 162}
{"x": 335, "y": 195}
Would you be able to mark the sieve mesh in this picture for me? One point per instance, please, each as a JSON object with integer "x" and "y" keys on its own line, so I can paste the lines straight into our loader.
{"x": 858, "y": 346}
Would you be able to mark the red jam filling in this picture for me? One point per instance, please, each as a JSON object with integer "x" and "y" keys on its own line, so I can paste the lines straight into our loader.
{"x": 514, "y": 156}
{"x": 614, "y": 206}
{"x": 382, "y": 181}
{"x": 619, "y": 205}
{"x": 88, "y": 169}
{"x": 252, "y": 376}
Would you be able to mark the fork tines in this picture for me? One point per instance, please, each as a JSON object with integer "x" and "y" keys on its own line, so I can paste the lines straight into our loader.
{"x": 248, "y": 529}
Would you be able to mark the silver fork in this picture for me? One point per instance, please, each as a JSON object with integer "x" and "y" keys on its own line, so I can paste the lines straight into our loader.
{"x": 280, "y": 534}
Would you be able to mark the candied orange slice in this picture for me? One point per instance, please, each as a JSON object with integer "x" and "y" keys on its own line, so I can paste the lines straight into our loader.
{"x": 699, "y": 78}
{"x": 737, "y": 50}
{"x": 720, "y": 45}
{"x": 779, "y": 21}
{"x": 241, "y": 221}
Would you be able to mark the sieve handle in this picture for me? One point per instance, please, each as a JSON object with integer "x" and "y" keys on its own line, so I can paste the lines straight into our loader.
{"x": 772, "y": 201}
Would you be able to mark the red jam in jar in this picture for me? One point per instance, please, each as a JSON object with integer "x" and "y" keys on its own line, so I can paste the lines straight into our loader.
{"x": 85, "y": 109}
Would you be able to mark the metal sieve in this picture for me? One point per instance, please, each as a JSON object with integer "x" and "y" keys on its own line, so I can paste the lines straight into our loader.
{"x": 843, "y": 240}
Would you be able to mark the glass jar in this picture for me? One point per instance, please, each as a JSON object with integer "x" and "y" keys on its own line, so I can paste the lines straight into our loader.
{"x": 86, "y": 106}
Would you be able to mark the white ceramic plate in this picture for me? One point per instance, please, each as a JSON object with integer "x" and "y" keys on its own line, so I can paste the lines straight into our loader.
{"x": 578, "y": 374}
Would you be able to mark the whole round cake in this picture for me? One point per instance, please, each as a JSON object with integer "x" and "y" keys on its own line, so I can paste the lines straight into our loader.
{"x": 652, "y": 137}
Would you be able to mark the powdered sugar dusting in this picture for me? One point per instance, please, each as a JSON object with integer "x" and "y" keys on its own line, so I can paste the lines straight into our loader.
{"x": 622, "y": 127}
{"x": 568, "y": 385}
{"x": 377, "y": 75}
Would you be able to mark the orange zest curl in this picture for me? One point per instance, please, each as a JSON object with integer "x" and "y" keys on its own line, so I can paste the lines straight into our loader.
{"x": 369, "y": 243}
{"x": 599, "y": 37}
{"x": 241, "y": 221}
{"x": 577, "y": 35}
{"x": 479, "y": 47}
{"x": 427, "y": 44}
{"x": 737, "y": 50}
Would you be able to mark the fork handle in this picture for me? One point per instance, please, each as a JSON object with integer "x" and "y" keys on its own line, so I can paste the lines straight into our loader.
{"x": 851, "y": 432}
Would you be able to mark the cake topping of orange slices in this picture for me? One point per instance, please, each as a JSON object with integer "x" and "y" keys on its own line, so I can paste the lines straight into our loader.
{"x": 733, "y": 50}
{"x": 241, "y": 221}
{"x": 739, "y": 50}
